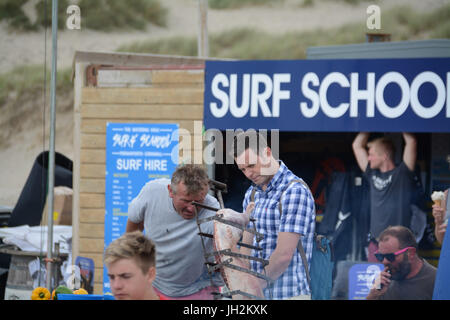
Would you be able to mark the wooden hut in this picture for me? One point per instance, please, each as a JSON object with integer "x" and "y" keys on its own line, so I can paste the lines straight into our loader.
{"x": 122, "y": 87}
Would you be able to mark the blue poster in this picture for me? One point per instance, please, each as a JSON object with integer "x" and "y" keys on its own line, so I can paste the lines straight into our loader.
{"x": 135, "y": 154}
{"x": 347, "y": 95}
{"x": 360, "y": 279}
{"x": 87, "y": 270}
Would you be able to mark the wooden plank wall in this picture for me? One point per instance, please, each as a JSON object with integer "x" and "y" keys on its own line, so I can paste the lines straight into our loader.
{"x": 174, "y": 96}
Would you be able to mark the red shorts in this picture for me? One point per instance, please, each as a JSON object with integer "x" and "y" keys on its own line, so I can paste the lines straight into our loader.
{"x": 204, "y": 294}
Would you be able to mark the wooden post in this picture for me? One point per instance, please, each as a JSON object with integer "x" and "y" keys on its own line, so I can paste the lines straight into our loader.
{"x": 202, "y": 43}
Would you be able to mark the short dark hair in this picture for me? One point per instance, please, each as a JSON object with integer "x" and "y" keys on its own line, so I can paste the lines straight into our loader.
{"x": 193, "y": 176}
{"x": 404, "y": 236}
{"x": 249, "y": 139}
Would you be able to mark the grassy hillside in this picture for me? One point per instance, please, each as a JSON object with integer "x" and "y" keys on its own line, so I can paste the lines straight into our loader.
{"x": 103, "y": 15}
{"x": 234, "y": 4}
{"x": 403, "y": 23}
{"x": 22, "y": 99}
{"x": 21, "y": 86}
{"x": 24, "y": 113}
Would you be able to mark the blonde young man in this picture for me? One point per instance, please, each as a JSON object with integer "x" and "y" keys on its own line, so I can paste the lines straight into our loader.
{"x": 130, "y": 260}
{"x": 391, "y": 187}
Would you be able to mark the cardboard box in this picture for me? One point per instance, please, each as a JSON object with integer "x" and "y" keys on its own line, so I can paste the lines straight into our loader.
{"x": 62, "y": 207}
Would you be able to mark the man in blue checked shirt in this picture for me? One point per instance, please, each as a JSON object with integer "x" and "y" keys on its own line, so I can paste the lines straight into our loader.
{"x": 282, "y": 230}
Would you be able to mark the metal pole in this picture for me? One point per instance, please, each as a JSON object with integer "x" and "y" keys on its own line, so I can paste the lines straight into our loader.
{"x": 203, "y": 52}
{"x": 51, "y": 158}
{"x": 202, "y": 43}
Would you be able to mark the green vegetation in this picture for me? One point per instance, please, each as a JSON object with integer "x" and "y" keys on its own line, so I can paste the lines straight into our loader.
{"x": 11, "y": 11}
{"x": 103, "y": 15}
{"x": 22, "y": 99}
{"x": 186, "y": 46}
{"x": 355, "y": 2}
{"x": 30, "y": 80}
{"x": 234, "y": 4}
{"x": 251, "y": 44}
{"x": 402, "y": 23}
{"x": 44, "y": 14}
{"x": 108, "y": 15}
{"x": 406, "y": 24}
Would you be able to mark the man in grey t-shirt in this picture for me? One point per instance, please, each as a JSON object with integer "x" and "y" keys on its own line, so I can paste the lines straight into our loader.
{"x": 391, "y": 196}
{"x": 164, "y": 209}
{"x": 391, "y": 187}
{"x": 406, "y": 276}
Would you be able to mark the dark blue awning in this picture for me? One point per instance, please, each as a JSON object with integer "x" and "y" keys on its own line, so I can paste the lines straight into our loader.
{"x": 383, "y": 95}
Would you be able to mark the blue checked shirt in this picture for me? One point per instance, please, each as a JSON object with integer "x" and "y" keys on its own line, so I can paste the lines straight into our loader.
{"x": 298, "y": 216}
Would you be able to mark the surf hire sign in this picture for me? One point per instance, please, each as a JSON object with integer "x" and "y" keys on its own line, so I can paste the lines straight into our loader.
{"x": 384, "y": 95}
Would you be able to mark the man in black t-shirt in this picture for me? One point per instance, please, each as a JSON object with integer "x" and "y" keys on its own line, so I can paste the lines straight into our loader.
{"x": 391, "y": 187}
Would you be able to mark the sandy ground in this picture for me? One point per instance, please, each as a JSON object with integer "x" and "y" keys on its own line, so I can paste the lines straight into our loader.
{"x": 29, "y": 48}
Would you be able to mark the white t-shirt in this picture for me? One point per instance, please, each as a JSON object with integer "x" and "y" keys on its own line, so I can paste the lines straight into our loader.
{"x": 180, "y": 261}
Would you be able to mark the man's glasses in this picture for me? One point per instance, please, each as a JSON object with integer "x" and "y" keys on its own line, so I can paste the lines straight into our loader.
{"x": 390, "y": 256}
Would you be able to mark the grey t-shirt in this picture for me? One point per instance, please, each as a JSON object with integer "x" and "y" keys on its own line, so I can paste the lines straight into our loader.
{"x": 391, "y": 195}
{"x": 180, "y": 261}
{"x": 419, "y": 287}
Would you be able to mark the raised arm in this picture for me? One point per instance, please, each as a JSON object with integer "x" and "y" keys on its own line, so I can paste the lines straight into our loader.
{"x": 410, "y": 151}
{"x": 359, "y": 150}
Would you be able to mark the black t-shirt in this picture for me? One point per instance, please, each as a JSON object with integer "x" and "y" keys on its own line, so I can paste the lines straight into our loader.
{"x": 391, "y": 195}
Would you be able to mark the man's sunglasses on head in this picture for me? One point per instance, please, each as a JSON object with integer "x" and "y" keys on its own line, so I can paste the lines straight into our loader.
{"x": 390, "y": 256}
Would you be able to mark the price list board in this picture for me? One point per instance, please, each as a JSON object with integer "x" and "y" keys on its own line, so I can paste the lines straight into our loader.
{"x": 135, "y": 154}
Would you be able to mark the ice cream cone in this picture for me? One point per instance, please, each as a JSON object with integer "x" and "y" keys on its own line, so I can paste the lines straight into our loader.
{"x": 437, "y": 197}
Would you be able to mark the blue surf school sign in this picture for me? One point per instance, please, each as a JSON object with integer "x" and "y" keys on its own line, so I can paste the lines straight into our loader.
{"x": 135, "y": 154}
{"x": 381, "y": 95}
